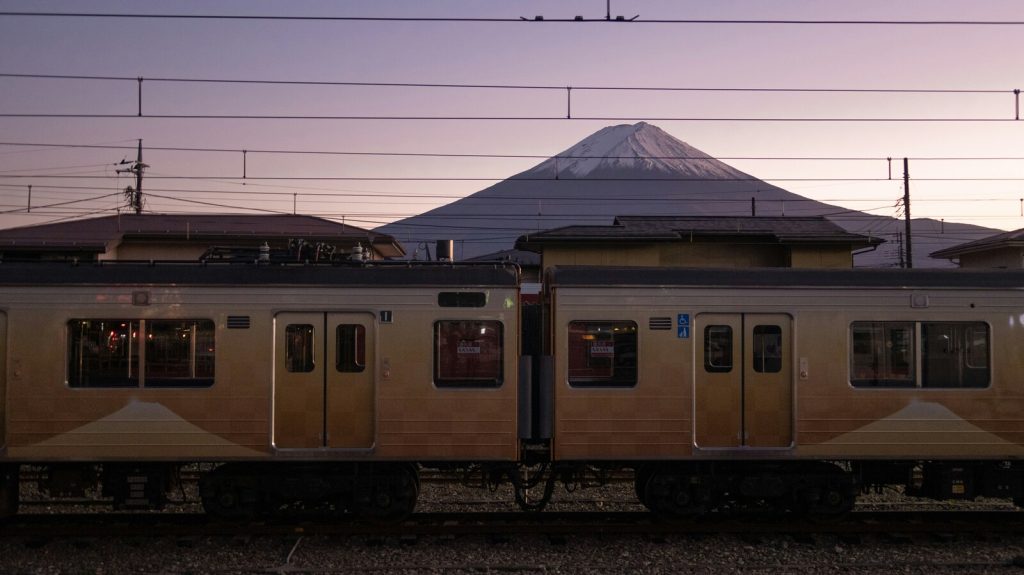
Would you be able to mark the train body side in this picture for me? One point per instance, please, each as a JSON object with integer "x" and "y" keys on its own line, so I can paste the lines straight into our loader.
{"x": 757, "y": 364}
{"x": 335, "y": 365}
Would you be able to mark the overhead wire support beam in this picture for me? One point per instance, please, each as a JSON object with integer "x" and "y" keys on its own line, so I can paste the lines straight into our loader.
{"x": 483, "y": 20}
{"x": 777, "y": 119}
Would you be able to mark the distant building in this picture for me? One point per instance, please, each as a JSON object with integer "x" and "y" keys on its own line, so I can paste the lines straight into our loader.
{"x": 1004, "y": 250}
{"x": 701, "y": 241}
{"x": 191, "y": 237}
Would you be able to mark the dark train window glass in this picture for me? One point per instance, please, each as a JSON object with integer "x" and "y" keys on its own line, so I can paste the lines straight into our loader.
{"x": 179, "y": 353}
{"x": 954, "y": 354}
{"x": 108, "y": 353}
{"x": 103, "y": 353}
{"x": 882, "y": 354}
{"x": 298, "y": 348}
{"x": 461, "y": 299}
{"x": 767, "y": 348}
{"x": 718, "y": 349}
{"x": 468, "y": 353}
{"x": 602, "y": 354}
{"x": 351, "y": 352}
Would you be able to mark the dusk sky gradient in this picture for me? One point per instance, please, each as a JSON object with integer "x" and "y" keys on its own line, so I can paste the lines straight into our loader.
{"x": 873, "y": 57}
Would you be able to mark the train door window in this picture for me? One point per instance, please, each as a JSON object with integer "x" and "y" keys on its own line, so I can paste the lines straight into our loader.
{"x": 882, "y": 354}
{"x": 298, "y": 350}
{"x": 718, "y": 349}
{"x": 351, "y": 352}
{"x": 767, "y": 348}
{"x": 468, "y": 353}
{"x": 103, "y": 353}
{"x": 954, "y": 354}
{"x": 179, "y": 353}
{"x": 602, "y": 353}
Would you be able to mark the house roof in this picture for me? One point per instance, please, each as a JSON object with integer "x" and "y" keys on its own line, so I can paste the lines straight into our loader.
{"x": 781, "y": 230}
{"x": 96, "y": 234}
{"x": 520, "y": 257}
{"x": 1014, "y": 239}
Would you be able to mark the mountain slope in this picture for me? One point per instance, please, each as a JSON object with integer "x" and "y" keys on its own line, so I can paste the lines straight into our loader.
{"x": 640, "y": 170}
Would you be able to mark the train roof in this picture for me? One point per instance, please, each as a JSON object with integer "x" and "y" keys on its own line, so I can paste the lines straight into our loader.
{"x": 784, "y": 277}
{"x": 371, "y": 274}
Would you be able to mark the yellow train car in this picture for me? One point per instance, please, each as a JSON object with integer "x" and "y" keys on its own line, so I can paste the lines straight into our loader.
{"x": 796, "y": 387}
{"x": 305, "y": 383}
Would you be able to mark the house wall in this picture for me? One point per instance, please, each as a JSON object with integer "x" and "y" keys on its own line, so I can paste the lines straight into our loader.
{"x": 155, "y": 251}
{"x": 820, "y": 257}
{"x": 723, "y": 255}
{"x": 1011, "y": 258}
{"x": 601, "y": 256}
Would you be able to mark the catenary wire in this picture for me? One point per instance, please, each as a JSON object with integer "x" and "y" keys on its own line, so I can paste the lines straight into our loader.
{"x": 521, "y": 20}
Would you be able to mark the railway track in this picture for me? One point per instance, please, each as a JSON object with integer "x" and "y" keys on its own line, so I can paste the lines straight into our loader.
{"x": 556, "y": 524}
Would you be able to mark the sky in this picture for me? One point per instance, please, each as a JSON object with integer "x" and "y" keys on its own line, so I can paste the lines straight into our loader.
{"x": 814, "y": 108}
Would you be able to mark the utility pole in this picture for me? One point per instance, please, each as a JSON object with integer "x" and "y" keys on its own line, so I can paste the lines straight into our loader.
{"x": 134, "y": 195}
{"x": 906, "y": 212}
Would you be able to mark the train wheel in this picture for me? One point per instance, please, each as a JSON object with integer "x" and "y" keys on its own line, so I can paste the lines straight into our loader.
{"x": 673, "y": 495}
{"x": 9, "y": 481}
{"x": 833, "y": 504}
{"x": 387, "y": 494}
{"x": 641, "y": 477}
{"x": 229, "y": 495}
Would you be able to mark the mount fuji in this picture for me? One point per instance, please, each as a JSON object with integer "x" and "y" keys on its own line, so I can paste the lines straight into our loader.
{"x": 640, "y": 170}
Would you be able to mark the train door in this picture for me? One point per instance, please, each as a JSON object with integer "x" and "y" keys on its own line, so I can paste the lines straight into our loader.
{"x": 324, "y": 392}
{"x": 3, "y": 381}
{"x": 743, "y": 386}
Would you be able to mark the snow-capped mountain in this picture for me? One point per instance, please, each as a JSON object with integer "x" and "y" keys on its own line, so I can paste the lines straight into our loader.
{"x": 640, "y": 148}
{"x": 641, "y": 170}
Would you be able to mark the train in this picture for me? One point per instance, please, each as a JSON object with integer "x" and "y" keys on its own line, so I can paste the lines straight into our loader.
{"x": 336, "y": 386}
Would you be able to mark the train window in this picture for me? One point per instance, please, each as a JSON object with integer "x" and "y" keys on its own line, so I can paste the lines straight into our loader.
{"x": 298, "y": 348}
{"x": 351, "y": 352}
{"x": 468, "y": 353}
{"x": 461, "y": 299}
{"x": 767, "y": 348}
{"x": 882, "y": 354}
{"x": 718, "y": 349}
{"x": 179, "y": 353}
{"x": 130, "y": 353}
{"x": 103, "y": 353}
{"x": 954, "y": 354}
{"x": 602, "y": 353}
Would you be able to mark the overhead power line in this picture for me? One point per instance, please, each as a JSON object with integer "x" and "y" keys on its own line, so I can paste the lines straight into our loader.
{"x": 521, "y": 19}
{"x": 448, "y": 118}
{"x": 503, "y": 156}
{"x": 568, "y": 104}
{"x": 765, "y": 179}
{"x": 513, "y": 86}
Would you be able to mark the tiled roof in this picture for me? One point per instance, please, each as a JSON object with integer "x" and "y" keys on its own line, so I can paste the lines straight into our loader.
{"x": 674, "y": 228}
{"x": 97, "y": 233}
{"x": 1003, "y": 240}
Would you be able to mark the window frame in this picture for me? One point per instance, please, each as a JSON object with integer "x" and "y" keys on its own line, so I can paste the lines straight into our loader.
{"x": 921, "y": 363}
{"x": 444, "y": 367}
{"x": 294, "y": 361}
{"x": 625, "y": 374}
{"x": 728, "y": 346}
{"x": 123, "y": 353}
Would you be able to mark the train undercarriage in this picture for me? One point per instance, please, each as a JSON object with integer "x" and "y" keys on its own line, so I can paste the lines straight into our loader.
{"x": 388, "y": 491}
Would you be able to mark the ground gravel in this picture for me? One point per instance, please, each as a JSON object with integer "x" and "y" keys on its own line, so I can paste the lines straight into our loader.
{"x": 518, "y": 554}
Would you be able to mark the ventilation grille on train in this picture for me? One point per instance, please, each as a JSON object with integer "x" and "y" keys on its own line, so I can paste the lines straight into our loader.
{"x": 238, "y": 322}
{"x": 662, "y": 323}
